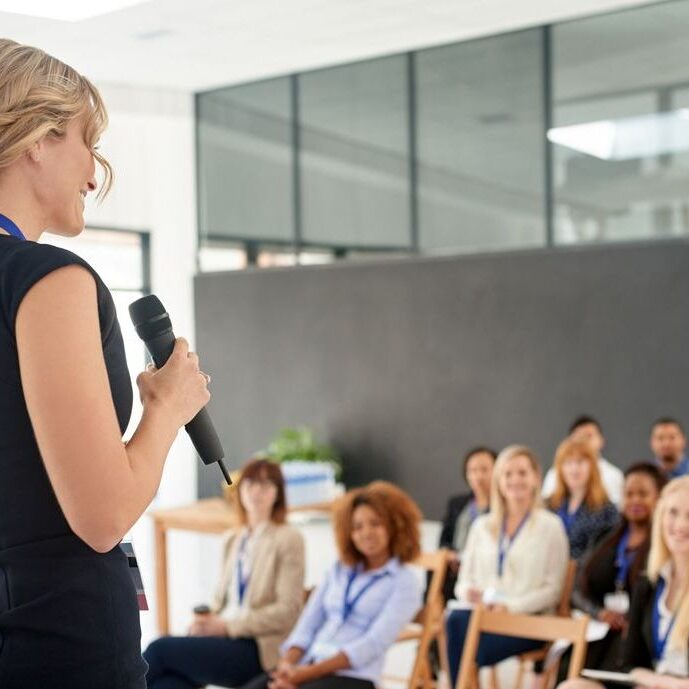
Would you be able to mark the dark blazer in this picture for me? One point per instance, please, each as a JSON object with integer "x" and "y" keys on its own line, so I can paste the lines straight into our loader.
{"x": 638, "y": 645}
{"x": 454, "y": 507}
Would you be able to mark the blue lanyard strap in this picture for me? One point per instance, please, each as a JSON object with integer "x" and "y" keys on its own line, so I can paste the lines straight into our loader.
{"x": 349, "y": 603}
{"x": 242, "y": 579}
{"x": 623, "y": 561}
{"x": 658, "y": 642}
{"x": 7, "y": 225}
{"x": 505, "y": 544}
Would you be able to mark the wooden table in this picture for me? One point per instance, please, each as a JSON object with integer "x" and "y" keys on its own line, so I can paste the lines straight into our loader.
{"x": 210, "y": 515}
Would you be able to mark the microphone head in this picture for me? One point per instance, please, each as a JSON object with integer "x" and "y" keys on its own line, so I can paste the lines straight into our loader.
{"x": 149, "y": 317}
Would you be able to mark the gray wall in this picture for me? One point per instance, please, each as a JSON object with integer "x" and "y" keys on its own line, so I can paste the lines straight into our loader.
{"x": 405, "y": 364}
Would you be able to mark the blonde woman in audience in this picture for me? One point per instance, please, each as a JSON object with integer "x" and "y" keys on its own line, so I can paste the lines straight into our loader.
{"x": 514, "y": 560}
{"x": 365, "y": 601}
{"x": 657, "y": 641}
{"x": 579, "y": 498}
{"x": 258, "y": 598}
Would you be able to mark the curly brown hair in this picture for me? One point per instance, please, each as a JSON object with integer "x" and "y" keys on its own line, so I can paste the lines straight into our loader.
{"x": 400, "y": 514}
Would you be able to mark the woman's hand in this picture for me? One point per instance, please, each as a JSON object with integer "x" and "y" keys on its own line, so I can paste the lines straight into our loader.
{"x": 208, "y": 624}
{"x": 453, "y": 561}
{"x": 616, "y": 620}
{"x": 289, "y": 676}
{"x": 179, "y": 387}
{"x": 498, "y": 607}
{"x": 474, "y": 596}
{"x": 280, "y": 683}
{"x": 653, "y": 680}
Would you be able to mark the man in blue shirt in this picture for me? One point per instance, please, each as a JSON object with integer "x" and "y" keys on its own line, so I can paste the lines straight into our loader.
{"x": 668, "y": 444}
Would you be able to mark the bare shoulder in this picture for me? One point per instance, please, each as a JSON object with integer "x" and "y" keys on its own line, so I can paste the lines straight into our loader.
{"x": 64, "y": 291}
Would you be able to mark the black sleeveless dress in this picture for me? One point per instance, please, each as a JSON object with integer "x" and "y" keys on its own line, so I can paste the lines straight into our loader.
{"x": 69, "y": 617}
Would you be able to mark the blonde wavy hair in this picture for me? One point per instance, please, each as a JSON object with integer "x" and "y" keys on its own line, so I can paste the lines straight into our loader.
{"x": 596, "y": 495}
{"x": 40, "y": 96}
{"x": 497, "y": 501}
{"x": 659, "y": 555}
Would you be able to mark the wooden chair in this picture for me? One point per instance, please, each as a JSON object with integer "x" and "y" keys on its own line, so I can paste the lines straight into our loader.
{"x": 546, "y": 627}
{"x": 428, "y": 625}
{"x": 563, "y": 610}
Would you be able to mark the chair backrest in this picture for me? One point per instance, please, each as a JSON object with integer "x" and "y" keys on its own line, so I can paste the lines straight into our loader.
{"x": 538, "y": 627}
{"x": 435, "y": 563}
{"x": 564, "y": 607}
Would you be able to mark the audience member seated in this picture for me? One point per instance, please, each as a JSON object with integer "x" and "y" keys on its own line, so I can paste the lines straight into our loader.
{"x": 260, "y": 595}
{"x": 365, "y": 601}
{"x": 462, "y": 510}
{"x": 515, "y": 559}
{"x": 668, "y": 444}
{"x": 579, "y": 498}
{"x": 656, "y": 646}
{"x": 609, "y": 572}
{"x": 588, "y": 429}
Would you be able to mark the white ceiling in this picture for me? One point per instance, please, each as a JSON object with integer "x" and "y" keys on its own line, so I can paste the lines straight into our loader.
{"x": 191, "y": 46}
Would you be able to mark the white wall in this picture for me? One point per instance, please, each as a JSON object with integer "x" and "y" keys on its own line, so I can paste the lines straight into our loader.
{"x": 150, "y": 142}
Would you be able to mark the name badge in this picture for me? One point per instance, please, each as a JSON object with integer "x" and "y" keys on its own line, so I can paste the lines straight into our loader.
{"x": 617, "y": 602}
{"x": 135, "y": 573}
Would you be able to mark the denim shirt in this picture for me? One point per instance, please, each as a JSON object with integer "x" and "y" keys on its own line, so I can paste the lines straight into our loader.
{"x": 373, "y": 624}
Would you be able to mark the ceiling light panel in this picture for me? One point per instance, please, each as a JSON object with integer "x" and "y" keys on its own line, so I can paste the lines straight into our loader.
{"x": 66, "y": 10}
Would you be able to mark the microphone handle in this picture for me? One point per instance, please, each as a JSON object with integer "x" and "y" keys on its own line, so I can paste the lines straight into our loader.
{"x": 201, "y": 431}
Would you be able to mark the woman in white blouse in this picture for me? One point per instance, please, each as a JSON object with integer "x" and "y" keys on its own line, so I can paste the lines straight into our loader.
{"x": 515, "y": 559}
{"x": 657, "y": 641}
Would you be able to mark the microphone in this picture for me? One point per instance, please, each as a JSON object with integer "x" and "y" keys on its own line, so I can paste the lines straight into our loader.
{"x": 153, "y": 326}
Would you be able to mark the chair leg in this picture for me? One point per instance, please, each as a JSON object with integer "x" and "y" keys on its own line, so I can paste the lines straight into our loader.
{"x": 520, "y": 675}
{"x": 442, "y": 650}
{"x": 494, "y": 681}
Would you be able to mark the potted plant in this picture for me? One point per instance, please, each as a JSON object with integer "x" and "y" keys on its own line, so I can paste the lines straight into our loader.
{"x": 310, "y": 468}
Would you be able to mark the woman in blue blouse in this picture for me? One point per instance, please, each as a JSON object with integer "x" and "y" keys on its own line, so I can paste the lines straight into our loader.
{"x": 367, "y": 598}
{"x": 579, "y": 497}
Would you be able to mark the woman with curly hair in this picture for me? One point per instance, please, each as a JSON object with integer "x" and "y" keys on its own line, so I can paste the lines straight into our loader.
{"x": 365, "y": 601}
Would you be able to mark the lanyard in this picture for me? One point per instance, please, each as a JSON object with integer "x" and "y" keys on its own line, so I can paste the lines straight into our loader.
{"x": 623, "y": 561}
{"x": 568, "y": 518}
{"x": 505, "y": 544}
{"x": 7, "y": 225}
{"x": 473, "y": 511}
{"x": 349, "y": 603}
{"x": 242, "y": 579}
{"x": 658, "y": 643}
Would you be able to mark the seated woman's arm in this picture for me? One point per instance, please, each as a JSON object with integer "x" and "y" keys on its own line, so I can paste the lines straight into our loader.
{"x": 310, "y": 621}
{"x": 546, "y": 593}
{"x": 469, "y": 579}
{"x": 278, "y": 616}
{"x": 580, "y": 600}
{"x": 404, "y": 602}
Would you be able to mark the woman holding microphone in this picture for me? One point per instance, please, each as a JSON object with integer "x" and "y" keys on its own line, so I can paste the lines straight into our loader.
{"x": 71, "y": 488}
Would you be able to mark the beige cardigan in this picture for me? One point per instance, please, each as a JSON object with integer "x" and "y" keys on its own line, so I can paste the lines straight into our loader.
{"x": 535, "y": 564}
{"x": 275, "y": 590}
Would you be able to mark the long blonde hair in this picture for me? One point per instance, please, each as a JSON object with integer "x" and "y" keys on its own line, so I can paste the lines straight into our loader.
{"x": 596, "y": 496}
{"x": 659, "y": 555}
{"x": 40, "y": 96}
{"x": 497, "y": 500}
